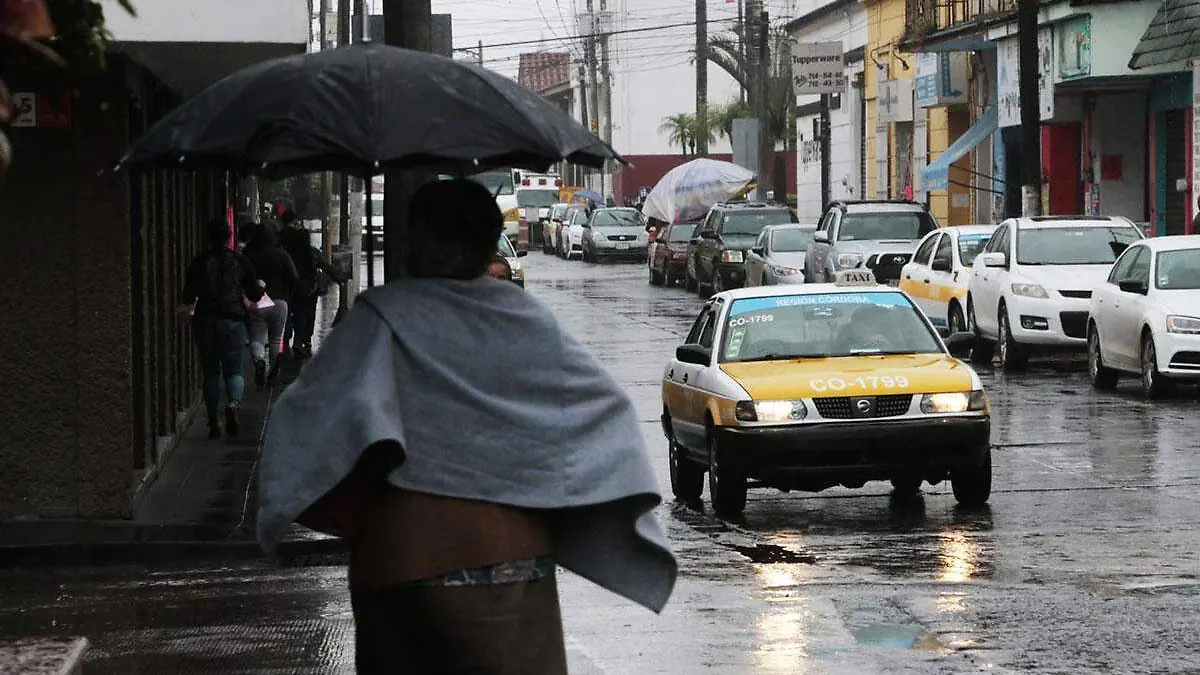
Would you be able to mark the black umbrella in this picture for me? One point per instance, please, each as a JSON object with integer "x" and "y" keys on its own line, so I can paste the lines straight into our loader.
{"x": 361, "y": 109}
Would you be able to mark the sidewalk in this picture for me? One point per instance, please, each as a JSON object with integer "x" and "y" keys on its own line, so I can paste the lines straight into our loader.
{"x": 200, "y": 506}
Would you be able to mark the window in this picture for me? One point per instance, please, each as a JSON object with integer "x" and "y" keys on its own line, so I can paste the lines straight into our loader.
{"x": 970, "y": 246}
{"x": 749, "y": 223}
{"x": 710, "y": 223}
{"x": 944, "y": 251}
{"x": 1074, "y": 245}
{"x": 1178, "y": 270}
{"x": 1120, "y": 271}
{"x": 617, "y": 218}
{"x": 823, "y": 226}
{"x": 505, "y": 248}
{"x": 1140, "y": 270}
{"x": 876, "y": 226}
{"x": 536, "y": 197}
{"x": 791, "y": 241}
{"x": 761, "y": 242}
{"x": 693, "y": 337}
{"x": 996, "y": 242}
{"x": 921, "y": 257}
{"x": 710, "y": 327}
{"x": 680, "y": 234}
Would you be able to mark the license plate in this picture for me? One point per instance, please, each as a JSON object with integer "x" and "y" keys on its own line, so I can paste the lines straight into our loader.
{"x": 623, "y": 246}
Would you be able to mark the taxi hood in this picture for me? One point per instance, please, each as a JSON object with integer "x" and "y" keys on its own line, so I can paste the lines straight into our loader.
{"x": 855, "y": 375}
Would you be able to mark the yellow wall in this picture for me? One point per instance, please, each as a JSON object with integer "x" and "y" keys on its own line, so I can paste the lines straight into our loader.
{"x": 885, "y": 26}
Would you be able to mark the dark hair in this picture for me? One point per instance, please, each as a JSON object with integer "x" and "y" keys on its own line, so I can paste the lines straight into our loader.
{"x": 287, "y": 217}
{"x": 454, "y": 229}
{"x": 217, "y": 232}
{"x": 262, "y": 237}
{"x": 498, "y": 259}
{"x": 247, "y": 230}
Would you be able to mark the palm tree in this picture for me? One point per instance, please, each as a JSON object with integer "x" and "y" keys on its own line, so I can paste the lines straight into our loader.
{"x": 679, "y": 129}
{"x": 722, "y": 117}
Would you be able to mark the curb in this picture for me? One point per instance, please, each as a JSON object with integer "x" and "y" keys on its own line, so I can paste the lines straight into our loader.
{"x": 291, "y": 553}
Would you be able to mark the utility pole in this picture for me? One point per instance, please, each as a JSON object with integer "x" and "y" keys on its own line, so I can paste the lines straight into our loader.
{"x": 480, "y": 53}
{"x": 580, "y": 176}
{"x": 766, "y": 165}
{"x": 326, "y": 179}
{"x": 592, "y": 104}
{"x": 742, "y": 44}
{"x": 605, "y": 73}
{"x": 343, "y": 38}
{"x": 701, "y": 132}
{"x": 1031, "y": 125}
{"x": 825, "y": 158}
{"x": 408, "y": 24}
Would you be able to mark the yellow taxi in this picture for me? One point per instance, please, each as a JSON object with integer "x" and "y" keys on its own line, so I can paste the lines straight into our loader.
{"x": 936, "y": 277}
{"x": 810, "y": 386}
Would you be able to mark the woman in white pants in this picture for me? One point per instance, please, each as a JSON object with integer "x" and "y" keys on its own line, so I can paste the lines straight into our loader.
{"x": 278, "y": 272}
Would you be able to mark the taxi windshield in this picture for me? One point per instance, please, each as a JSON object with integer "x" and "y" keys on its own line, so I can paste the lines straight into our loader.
{"x": 970, "y": 245}
{"x": 505, "y": 248}
{"x": 825, "y": 325}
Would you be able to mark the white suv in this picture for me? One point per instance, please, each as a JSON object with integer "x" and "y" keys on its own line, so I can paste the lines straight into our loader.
{"x": 1031, "y": 286}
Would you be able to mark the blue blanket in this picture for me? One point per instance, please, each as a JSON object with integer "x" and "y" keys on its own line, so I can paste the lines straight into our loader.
{"x": 491, "y": 400}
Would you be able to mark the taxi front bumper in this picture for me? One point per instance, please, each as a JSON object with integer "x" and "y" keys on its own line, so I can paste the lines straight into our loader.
{"x": 842, "y": 451}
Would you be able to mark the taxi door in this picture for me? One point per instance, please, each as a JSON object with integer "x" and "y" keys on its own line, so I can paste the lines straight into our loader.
{"x": 915, "y": 277}
{"x": 943, "y": 281}
{"x": 688, "y": 402}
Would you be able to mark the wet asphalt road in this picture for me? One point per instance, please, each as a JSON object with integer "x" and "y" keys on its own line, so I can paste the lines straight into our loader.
{"x": 1086, "y": 560}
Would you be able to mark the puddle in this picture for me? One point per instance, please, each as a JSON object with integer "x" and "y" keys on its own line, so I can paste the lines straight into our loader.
{"x": 908, "y": 636}
{"x": 770, "y": 553}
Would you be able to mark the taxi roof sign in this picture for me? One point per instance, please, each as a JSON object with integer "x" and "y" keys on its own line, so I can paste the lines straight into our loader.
{"x": 855, "y": 277}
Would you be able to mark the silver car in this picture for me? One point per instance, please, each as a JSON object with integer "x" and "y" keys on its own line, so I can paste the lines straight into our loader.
{"x": 777, "y": 256}
{"x": 615, "y": 233}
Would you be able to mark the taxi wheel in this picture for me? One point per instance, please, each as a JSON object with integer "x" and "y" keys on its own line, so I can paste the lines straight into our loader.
{"x": 1102, "y": 377}
{"x": 726, "y": 486}
{"x": 984, "y": 350}
{"x": 656, "y": 277}
{"x": 1154, "y": 385}
{"x": 1012, "y": 355}
{"x": 690, "y": 282}
{"x": 955, "y": 321}
{"x": 687, "y": 477}
{"x": 972, "y": 485}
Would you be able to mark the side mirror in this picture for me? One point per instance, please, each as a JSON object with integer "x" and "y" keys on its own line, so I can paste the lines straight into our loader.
{"x": 708, "y": 234}
{"x": 942, "y": 331}
{"x": 941, "y": 265}
{"x": 960, "y": 344}
{"x": 1133, "y": 286}
{"x": 693, "y": 354}
{"x": 587, "y": 226}
{"x": 994, "y": 260}
{"x": 522, "y": 253}
{"x": 821, "y": 237}
{"x": 758, "y": 250}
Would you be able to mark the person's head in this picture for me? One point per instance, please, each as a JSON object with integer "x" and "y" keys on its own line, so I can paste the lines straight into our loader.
{"x": 288, "y": 219}
{"x": 262, "y": 237}
{"x": 217, "y": 232}
{"x": 453, "y": 230}
{"x": 499, "y": 268}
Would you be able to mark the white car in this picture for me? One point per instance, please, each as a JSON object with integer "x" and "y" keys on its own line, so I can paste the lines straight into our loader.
{"x": 1145, "y": 318}
{"x": 572, "y": 234}
{"x": 1031, "y": 286}
{"x": 937, "y": 276}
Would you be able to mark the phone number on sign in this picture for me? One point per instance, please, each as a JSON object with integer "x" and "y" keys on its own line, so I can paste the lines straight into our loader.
{"x": 872, "y": 382}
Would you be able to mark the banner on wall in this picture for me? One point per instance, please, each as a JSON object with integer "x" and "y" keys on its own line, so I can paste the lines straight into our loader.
{"x": 1008, "y": 82}
{"x": 1046, "y": 77}
{"x": 941, "y": 79}
{"x": 1195, "y": 138}
{"x": 895, "y": 101}
{"x": 920, "y": 150}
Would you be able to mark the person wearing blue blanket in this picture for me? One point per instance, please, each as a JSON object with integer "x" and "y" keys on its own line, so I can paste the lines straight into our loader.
{"x": 466, "y": 446}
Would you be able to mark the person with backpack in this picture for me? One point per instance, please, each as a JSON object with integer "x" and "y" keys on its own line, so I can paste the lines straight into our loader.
{"x": 277, "y": 271}
{"x": 297, "y": 241}
{"x": 217, "y": 284}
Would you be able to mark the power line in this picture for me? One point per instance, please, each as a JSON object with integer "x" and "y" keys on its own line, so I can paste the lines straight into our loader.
{"x": 596, "y": 35}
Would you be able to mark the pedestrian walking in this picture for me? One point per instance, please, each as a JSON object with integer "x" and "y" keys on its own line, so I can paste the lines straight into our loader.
{"x": 297, "y": 241}
{"x": 463, "y": 460}
{"x": 217, "y": 284}
{"x": 277, "y": 271}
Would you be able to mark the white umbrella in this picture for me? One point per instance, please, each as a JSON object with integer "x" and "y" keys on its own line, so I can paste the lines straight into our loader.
{"x": 689, "y": 190}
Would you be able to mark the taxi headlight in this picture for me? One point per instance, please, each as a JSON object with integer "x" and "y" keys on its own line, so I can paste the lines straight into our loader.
{"x": 954, "y": 402}
{"x": 512, "y": 214}
{"x": 770, "y": 411}
{"x": 1183, "y": 324}
{"x": 1029, "y": 291}
{"x": 849, "y": 260}
{"x": 732, "y": 256}
{"x": 784, "y": 271}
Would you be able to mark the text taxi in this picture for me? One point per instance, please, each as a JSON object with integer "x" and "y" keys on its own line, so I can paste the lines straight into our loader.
{"x": 808, "y": 387}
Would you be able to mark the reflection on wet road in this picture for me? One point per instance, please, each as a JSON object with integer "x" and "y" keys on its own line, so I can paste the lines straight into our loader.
{"x": 1086, "y": 560}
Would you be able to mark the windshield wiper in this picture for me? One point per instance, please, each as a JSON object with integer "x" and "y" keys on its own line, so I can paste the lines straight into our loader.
{"x": 783, "y": 357}
{"x": 880, "y": 352}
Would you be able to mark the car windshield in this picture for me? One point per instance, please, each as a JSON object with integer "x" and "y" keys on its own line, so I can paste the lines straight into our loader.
{"x": 558, "y": 211}
{"x": 680, "y": 234}
{"x": 536, "y": 197}
{"x": 1178, "y": 270}
{"x": 496, "y": 182}
{"x": 1081, "y": 245}
{"x": 825, "y": 326}
{"x": 750, "y": 223}
{"x": 617, "y": 218}
{"x": 970, "y": 245}
{"x": 909, "y": 225}
{"x": 791, "y": 241}
{"x": 505, "y": 248}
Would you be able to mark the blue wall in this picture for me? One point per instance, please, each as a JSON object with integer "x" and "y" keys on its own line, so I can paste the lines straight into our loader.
{"x": 1169, "y": 92}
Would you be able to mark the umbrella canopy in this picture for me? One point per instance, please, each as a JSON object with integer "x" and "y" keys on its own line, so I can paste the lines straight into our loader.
{"x": 689, "y": 190}
{"x": 362, "y": 109}
{"x": 590, "y": 194}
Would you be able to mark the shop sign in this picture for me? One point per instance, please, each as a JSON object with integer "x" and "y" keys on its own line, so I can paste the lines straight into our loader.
{"x": 1046, "y": 74}
{"x": 1195, "y": 135}
{"x": 44, "y": 110}
{"x": 895, "y": 101}
{"x": 818, "y": 68}
{"x": 1075, "y": 48}
{"x": 1008, "y": 85}
{"x": 941, "y": 79}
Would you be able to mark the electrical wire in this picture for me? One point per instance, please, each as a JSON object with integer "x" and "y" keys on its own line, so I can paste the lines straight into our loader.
{"x": 519, "y": 43}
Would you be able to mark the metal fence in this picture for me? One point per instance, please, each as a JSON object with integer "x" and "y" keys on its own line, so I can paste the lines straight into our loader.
{"x": 931, "y": 16}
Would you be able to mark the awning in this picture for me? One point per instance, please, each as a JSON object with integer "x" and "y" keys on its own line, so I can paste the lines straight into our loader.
{"x": 936, "y": 176}
{"x": 1172, "y": 36}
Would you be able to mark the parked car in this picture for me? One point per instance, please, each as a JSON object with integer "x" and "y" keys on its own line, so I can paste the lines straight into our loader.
{"x": 1144, "y": 319}
{"x": 877, "y": 235}
{"x": 727, "y": 232}
{"x": 937, "y": 276}
{"x": 550, "y": 227}
{"x": 505, "y": 248}
{"x": 669, "y": 263}
{"x": 570, "y": 240}
{"x": 1031, "y": 287}
{"x": 778, "y": 255}
{"x": 615, "y": 233}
